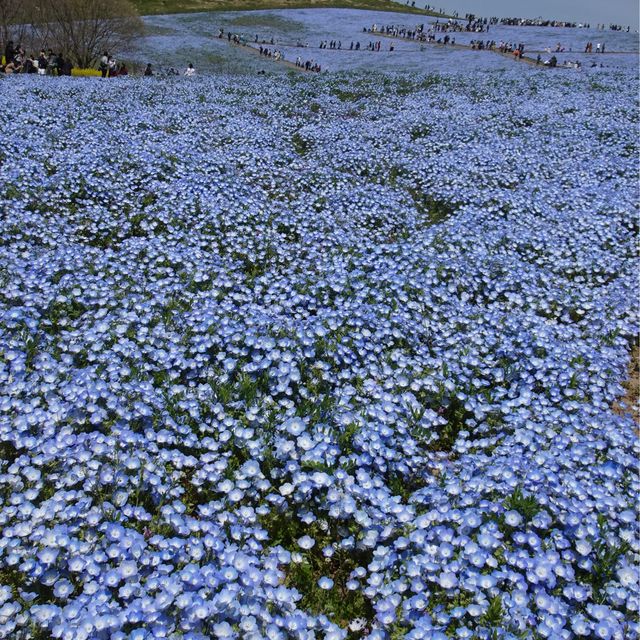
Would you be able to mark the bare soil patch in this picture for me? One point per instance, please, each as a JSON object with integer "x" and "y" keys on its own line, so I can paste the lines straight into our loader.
{"x": 630, "y": 403}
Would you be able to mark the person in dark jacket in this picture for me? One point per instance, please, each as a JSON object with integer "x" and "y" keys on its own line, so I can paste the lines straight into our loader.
{"x": 9, "y": 52}
{"x": 65, "y": 66}
{"x": 42, "y": 63}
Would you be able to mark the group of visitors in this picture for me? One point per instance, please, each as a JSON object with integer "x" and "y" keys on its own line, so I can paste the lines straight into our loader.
{"x": 278, "y": 55}
{"x": 309, "y": 65}
{"x": 533, "y": 22}
{"x": 171, "y": 71}
{"x": 511, "y": 47}
{"x": 374, "y": 46}
{"x": 567, "y": 64}
{"x": 414, "y": 33}
{"x": 235, "y": 38}
{"x": 437, "y": 27}
{"x": 332, "y": 44}
{"x": 45, "y": 63}
{"x": 397, "y": 31}
{"x": 538, "y": 22}
{"x": 503, "y": 47}
{"x": 268, "y": 53}
{"x": 614, "y": 27}
{"x": 600, "y": 48}
{"x": 471, "y": 26}
{"x": 109, "y": 68}
{"x": 485, "y": 45}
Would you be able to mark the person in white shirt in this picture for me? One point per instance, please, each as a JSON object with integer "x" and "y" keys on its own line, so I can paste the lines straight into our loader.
{"x": 190, "y": 71}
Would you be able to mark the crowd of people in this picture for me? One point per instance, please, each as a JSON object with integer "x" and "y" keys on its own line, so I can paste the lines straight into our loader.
{"x": 471, "y": 26}
{"x": 417, "y": 33}
{"x": 49, "y": 63}
{"x": 537, "y": 22}
{"x": 397, "y": 31}
{"x": 56, "y": 64}
{"x": 533, "y": 22}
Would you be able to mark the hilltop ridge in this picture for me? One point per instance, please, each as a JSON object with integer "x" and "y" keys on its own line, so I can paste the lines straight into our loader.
{"x": 151, "y": 7}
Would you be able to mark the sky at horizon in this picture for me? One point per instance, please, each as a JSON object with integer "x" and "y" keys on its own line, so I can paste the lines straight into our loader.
{"x": 623, "y": 12}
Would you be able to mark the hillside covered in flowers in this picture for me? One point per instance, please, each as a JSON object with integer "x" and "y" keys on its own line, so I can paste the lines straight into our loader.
{"x": 318, "y": 357}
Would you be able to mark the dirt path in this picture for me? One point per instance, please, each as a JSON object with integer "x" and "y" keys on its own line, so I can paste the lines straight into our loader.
{"x": 255, "y": 51}
{"x": 525, "y": 59}
{"x": 631, "y": 399}
{"x": 464, "y": 47}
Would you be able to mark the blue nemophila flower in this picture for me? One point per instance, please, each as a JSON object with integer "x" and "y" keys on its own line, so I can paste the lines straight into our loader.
{"x": 325, "y": 583}
{"x": 306, "y": 542}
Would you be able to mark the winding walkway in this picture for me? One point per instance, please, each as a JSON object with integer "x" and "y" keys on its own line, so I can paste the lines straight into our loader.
{"x": 253, "y": 48}
{"x": 468, "y": 47}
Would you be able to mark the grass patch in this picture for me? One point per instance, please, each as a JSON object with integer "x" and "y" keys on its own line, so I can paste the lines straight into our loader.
{"x": 339, "y": 603}
{"x": 433, "y": 209}
{"x": 301, "y": 145}
{"x": 150, "y": 7}
{"x": 419, "y": 131}
{"x": 456, "y": 416}
{"x": 157, "y": 30}
{"x": 527, "y": 506}
{"x": 269, "y": 21}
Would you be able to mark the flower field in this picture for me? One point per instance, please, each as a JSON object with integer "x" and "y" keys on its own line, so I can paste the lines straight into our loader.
{"x": 318, "y": 357}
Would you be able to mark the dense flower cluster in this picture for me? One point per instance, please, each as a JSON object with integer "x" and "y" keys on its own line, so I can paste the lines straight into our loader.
{"x": 317, "y": 358}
